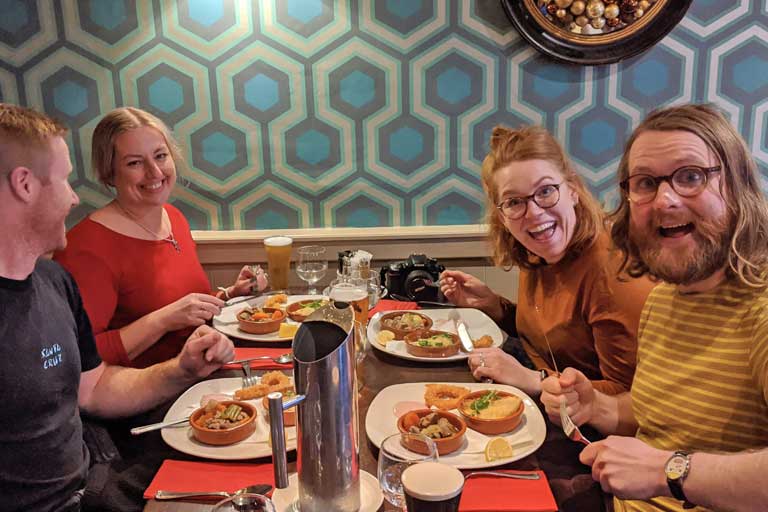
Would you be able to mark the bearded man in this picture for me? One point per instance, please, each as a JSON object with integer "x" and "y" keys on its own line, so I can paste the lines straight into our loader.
{"x": 692, "y": 215}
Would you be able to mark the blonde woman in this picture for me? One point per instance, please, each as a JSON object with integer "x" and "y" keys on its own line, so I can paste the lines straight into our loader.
{"x": 134, "y": 259}
{"x": 572, "y": 309}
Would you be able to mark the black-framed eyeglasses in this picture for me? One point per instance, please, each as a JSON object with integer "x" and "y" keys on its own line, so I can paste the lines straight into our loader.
{"x": 687, "y": 181}
{"x": 545, "y": 197}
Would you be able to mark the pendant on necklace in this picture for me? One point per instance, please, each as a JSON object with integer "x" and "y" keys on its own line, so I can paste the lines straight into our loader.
{"x": 173, "y": 242}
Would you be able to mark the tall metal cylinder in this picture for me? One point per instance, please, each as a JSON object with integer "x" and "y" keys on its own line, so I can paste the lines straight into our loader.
{"x": 328, "y": 458}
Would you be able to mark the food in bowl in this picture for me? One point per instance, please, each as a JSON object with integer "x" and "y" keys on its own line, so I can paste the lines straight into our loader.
{"x": 445, "y": 429}
{"x": 444, "y": 396}
{"x": 428, "y": 343}
{"x": 260, "y": 320}
{"x": 289, "y": 415}
{"x": 492, "y": 411}
{"x": 403, "y": 323}
{"x": 222, "y": 423}
{"x": 299, "y": 311}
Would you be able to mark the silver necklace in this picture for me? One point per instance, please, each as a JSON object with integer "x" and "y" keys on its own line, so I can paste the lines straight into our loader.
{"x": 170, "y": 238}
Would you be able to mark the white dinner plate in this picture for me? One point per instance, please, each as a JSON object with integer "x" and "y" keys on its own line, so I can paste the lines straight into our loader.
{"x": 180, "y": 437}
{"x": 371, "y": 498}
{"x": 477, "y": 322}
{"x": 226, "y": 321}
{"x": 381, "y": 422}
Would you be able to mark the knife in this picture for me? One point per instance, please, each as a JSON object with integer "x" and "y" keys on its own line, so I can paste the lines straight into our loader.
{"x": 157, "y": 426}
{"x": 464, "y": 337}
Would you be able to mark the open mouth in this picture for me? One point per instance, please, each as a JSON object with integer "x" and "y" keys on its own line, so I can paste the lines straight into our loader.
{"x": 543, "y": 231}
{"x": 676, "y": 231}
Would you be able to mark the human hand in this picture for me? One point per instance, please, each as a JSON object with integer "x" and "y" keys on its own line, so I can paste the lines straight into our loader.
{"x": 503, "y": 368}
{"x": 204, "y": 352}
{"x": 627, "y": 467}
{"x": 250, "y": 280}
{"x": 575, "y": 389}
{"x": 466, "y": 290}
{"x": 190, "y": 311}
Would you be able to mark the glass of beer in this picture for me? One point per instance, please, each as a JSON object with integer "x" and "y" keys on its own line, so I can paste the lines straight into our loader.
{"x": 353, "y": 291}
{"x": 278, "y": 260}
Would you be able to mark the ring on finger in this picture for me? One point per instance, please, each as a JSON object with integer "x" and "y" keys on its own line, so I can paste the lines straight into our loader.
{"x": 482, "y": 360}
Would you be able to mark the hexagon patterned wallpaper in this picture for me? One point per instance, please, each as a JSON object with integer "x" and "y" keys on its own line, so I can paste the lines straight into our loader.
{"x": 317, "y": 113}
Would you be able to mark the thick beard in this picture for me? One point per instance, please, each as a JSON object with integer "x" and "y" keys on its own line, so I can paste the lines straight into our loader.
{"x": 710, "y": 254}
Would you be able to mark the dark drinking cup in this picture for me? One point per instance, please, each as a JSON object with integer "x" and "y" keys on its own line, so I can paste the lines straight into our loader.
{"x": 432, "y": 487}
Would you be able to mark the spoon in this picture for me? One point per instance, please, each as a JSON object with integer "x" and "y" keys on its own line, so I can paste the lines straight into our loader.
{"x": 281, "y": 359}
{"x": 254, "y": 489}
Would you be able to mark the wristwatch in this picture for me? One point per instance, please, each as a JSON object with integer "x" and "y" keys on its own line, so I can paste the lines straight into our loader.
{"x": 676, "y": 469}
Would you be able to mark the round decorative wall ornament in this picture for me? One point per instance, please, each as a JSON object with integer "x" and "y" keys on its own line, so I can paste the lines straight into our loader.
{"x": 594, "y": 31}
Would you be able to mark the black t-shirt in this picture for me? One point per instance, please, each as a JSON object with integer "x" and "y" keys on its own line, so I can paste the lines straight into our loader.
{"x": 45, "y": 343}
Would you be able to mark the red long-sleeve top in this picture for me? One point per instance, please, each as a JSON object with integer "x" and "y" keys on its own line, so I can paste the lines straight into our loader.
{"x": 122, "y": 279}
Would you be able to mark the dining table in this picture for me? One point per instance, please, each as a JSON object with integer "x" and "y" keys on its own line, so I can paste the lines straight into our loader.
{"x": 570, "y": 481}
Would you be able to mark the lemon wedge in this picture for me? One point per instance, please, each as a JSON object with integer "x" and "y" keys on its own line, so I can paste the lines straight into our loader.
{"x": 288, "y": 330}
{"x": 497, "y": 448}
{"x": 385, "y": 337}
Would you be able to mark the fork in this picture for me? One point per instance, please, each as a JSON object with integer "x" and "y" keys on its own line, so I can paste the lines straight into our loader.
{"x": 519, "y": 476}
{"x": 572, "y": 432}
{"x": 249, "y": 379}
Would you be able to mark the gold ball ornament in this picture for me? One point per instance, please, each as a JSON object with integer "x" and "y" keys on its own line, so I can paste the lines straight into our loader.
{"x": 595, "y": 9}
{"x": 563, "y": 4}
{"x": 581, "y": 21}
{"x": 578, "y": 7}
{"x": 597, "y": 23}
{"x": 612, "y": 11}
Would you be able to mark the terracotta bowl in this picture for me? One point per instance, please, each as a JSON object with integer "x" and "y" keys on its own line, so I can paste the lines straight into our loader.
{"x": 227, "y": 436}
{"x": 264, "y": 327}
{"x": 289, "y": 416}
{"x": 445, "y": 445}
{"x": 401, "y": 333}
{"x": 413, "y": 348}
{"x": 490, "y": 426}
{"x": 295, "y": 306}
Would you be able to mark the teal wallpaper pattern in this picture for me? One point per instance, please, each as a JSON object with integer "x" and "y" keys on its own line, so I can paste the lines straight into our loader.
{"x": 319, "y": 113}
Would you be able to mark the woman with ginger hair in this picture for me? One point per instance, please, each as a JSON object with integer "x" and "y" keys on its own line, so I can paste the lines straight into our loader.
{"x": 573, "y": 309}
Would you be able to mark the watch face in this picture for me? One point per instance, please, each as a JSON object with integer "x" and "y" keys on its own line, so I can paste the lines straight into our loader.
{"x": 676, "y": 467}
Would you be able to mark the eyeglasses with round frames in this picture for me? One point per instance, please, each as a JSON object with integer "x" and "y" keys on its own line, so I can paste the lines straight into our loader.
{"x": 687, "y": 181}
{"x": 545, "y": 197}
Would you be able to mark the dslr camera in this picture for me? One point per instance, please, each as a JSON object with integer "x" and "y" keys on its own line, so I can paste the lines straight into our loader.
{"x": 416, "y": 278}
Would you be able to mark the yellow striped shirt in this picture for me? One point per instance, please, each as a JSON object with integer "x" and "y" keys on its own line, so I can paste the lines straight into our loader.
{"x": 701, "y": 382}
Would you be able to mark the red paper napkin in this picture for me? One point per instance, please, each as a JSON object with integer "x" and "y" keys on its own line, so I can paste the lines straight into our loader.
{"x": 262, "y": 364}
{"x": 391, "y": 305}
{"x": 186, "y": 476}
{"x": 499, "y": 494}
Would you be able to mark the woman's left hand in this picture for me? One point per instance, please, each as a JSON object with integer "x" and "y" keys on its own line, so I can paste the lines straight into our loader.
{"x": 250, "y": 280}
{"x": 503, "y": 368}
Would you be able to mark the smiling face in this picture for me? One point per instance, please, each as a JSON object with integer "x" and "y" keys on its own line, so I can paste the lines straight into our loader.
{"x": 56, "y": 197}
{"x": 543, "y": 232}
{"x": 145, "y": 172}
{"x": 682, "y": 240}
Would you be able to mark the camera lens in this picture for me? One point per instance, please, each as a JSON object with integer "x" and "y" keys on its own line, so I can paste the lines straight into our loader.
{"x": 419, "y": 285}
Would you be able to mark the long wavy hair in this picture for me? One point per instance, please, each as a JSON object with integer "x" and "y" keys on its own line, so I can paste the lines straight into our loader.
{"x": 534, "y": 143}
{"x": 746, "y": 205}
{"x": 116, "y": 122}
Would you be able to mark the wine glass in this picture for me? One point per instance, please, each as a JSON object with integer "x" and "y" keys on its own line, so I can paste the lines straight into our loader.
{"x": 245, "y": 502}
{"x": 312, "y": 266}
{"x": 394, "y": 457}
